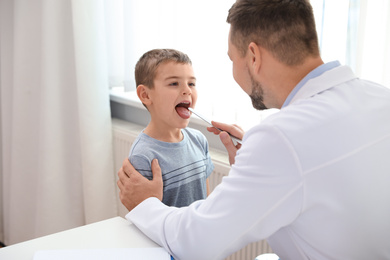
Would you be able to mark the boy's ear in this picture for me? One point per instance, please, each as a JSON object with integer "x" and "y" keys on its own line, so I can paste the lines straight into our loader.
{"x": 143, "y": 94}
{"x": 254, "y": 53}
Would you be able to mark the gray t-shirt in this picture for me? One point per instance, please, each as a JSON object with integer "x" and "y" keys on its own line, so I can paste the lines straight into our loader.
{"x": 185, "y": 165}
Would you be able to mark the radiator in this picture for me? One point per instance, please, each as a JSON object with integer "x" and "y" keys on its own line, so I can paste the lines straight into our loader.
{"x": 123, "y": 135}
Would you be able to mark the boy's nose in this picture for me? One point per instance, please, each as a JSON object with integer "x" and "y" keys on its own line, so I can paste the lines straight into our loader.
{"x": 187, "y": 90}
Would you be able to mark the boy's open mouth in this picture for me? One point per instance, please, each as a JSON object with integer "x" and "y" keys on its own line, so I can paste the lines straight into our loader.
{"x": 182, "y": 109}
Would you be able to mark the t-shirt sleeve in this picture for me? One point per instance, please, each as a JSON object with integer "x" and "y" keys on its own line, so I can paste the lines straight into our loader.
{"x": 208, "y": 162}
{"x": 210, "y": 166}
{"x": 142, "y": 164}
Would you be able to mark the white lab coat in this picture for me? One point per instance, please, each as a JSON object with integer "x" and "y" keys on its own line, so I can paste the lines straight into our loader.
{"x": 313, "y": 179}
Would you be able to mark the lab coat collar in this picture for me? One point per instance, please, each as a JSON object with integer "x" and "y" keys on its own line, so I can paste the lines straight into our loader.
{"x": 325, "y": 81}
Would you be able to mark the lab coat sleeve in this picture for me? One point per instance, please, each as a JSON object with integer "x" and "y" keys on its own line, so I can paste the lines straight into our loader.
{"x": 262, "y": 193}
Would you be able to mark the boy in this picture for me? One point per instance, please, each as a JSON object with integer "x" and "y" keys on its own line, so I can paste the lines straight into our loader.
{"x": 166, "y": 87}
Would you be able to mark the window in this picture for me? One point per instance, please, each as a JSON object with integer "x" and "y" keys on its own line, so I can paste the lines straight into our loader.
{"x": 355, "y": 32}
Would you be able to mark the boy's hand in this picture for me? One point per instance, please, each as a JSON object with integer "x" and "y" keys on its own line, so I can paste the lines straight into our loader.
{"x": 225, "y": 138}
{"x": 135, "y": 188}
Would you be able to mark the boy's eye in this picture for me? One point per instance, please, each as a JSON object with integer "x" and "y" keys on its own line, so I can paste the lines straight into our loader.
{"x": 192, "y": 84}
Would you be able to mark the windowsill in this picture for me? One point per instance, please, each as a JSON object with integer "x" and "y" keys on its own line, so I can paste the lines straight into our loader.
{"x": 130, "y": 98}
{"x": 128, "y": 103}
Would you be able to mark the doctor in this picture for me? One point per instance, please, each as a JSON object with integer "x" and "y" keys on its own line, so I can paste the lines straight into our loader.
{"x": 312, "y": 179}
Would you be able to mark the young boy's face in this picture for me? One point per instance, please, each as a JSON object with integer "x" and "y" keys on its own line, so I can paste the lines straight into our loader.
{"x": 174, "y": 91}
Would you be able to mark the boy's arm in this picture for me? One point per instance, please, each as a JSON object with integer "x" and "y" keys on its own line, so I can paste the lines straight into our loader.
{"x": 208, "y": 187}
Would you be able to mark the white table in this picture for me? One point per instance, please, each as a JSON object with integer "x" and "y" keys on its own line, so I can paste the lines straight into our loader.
{"x": 112, "y": 233}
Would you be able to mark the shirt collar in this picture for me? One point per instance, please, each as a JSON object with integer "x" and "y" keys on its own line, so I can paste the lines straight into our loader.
{"x": 313, "y": 74}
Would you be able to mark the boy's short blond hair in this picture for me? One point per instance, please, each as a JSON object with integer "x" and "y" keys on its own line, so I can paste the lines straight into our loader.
{"x": 145, "y": 69}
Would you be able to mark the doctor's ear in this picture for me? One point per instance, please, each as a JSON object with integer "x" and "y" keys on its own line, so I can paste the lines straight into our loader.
{"x": 143, "y": 93}
{"x": 254, "y": 54}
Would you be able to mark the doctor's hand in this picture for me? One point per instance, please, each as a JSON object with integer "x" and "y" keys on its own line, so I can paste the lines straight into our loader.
{"x": 225, "y": 138}
{"x": 135, "y": 188}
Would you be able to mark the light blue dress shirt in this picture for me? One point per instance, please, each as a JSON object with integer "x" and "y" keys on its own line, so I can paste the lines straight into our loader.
{"x": 313, "y": 74}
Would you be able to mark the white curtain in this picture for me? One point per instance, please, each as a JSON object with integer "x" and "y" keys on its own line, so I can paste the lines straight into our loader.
{"x": 357, "y": 33}
{"x": 56, "y": 146}
{"x": 373, "y": 41}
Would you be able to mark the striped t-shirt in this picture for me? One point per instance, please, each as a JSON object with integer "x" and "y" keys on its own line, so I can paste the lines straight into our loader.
{"x": 185, "y": 165}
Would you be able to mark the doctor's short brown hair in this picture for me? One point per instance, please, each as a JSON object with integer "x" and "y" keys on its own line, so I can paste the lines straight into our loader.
{"x": 286, "y": 28}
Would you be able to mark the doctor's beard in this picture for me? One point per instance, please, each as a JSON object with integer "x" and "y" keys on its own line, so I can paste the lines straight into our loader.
{"x": 257, "y": 95}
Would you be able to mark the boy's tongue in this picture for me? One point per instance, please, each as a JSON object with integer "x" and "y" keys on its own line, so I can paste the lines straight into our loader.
{"x": 183, "y": 112}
